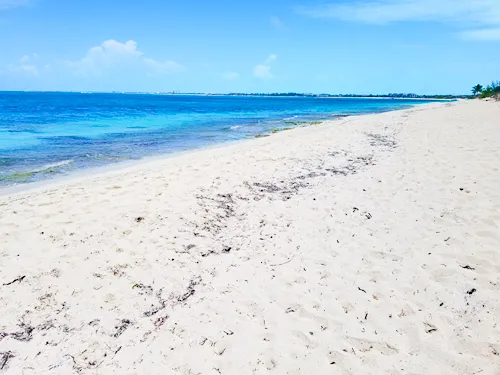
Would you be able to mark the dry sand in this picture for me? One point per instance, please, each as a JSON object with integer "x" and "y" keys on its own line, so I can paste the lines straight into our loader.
{"x": 365, "y": 245}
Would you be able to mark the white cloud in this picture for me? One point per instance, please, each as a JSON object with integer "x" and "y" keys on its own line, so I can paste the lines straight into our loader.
{"x": 277, "y": 23}
{"x": 162, "y": 67}
{"x": 230, "y": 76}
{"x": 481, "y": 34}
{"x": 112, "y": 54}
{"x": 25, "y": 59}
{"x": 263, "y": 71}
{"x": 26, "y": 66}
{"x": 270, "y": 59}
{"x": 469, "y": 12}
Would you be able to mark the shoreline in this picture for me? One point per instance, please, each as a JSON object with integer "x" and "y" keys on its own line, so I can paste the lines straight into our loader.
{"x": 365, "y": 245}
{"x": 93, "y": 172}
{"x": 454, "y": 97}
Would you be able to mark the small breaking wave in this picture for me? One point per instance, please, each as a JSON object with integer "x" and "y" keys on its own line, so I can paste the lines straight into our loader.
{"x": 233, "y": 127}
{"x": 52, "y": 166}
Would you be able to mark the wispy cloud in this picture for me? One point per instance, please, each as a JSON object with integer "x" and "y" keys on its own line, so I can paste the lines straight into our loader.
{"x": 480, "y": 14}
{"x": 482, "y": 34}
{"x": 270, "y": 59}
{"x": 26, "y": 65}
{"x": 6, "y": 4}
{"x": 112, "y": 54}
{"x": 162, "y": 67}
{"x": 277, "y": 23}
{"x": 263, "y": 71}
{"x": 230, "y": 76}
{"x": 385, "y": 11}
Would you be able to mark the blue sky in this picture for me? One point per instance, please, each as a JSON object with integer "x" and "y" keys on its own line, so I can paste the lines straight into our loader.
{"x": 336, "y": 46}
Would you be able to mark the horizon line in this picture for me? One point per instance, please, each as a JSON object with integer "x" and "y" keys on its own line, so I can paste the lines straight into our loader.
{"x": 290, "y": 93}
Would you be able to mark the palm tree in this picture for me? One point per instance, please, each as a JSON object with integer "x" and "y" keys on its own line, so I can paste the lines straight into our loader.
{"x": 477, "y": 89}
{"x": 496, "y": 87}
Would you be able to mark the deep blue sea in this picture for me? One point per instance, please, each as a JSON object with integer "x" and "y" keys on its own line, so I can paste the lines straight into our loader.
{"x": 47, "y": 134}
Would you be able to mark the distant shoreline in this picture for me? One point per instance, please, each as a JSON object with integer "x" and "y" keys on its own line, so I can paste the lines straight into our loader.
{"x": 266, "y": 95}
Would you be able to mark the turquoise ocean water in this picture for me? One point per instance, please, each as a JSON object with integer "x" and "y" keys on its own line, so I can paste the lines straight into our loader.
{"x": 44, "y": 135}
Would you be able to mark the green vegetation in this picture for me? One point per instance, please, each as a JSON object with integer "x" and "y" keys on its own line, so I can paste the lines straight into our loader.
{"x": 298, "y": 123}
{"x": 490, "y": 91}
{"x": 294, "y": 123}
{"x": 277, "y": 130}
{"x": 18, "y": 176}
{"x": 260, "y": 135}
{"x": 24, "y": 176}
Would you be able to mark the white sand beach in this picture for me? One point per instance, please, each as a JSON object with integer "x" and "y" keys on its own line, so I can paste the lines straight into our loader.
{"x": 364, "y": 245}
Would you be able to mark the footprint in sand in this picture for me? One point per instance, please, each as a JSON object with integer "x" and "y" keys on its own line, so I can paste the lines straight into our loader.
{"x": 364, "y": 346}
{"x": 487, "y": 234}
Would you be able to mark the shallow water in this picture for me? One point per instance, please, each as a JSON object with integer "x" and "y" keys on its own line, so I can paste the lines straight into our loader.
{"x": 45, "y": 135}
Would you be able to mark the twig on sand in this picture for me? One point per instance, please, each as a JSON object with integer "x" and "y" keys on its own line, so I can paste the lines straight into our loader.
{"x": 18, "y": 279}
{"x": 4, "y": 358}
{"x": 280, "y": 264}
{"x": 468, "y": 268}
{"x": 429, "y": 328}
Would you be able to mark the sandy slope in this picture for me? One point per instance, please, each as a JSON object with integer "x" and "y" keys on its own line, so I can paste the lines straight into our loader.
{"x": 368, "y": 245}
